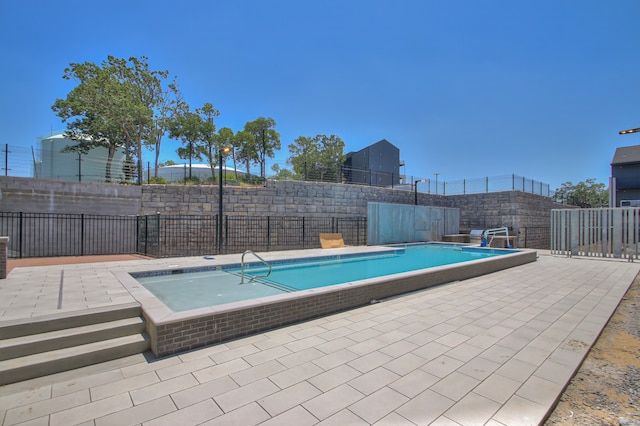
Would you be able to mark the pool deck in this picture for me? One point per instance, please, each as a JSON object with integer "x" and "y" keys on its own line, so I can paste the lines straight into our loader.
{"x": 497, "y": 349}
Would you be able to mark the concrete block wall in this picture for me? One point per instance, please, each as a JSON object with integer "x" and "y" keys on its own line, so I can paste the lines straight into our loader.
{"x": 51, "y": 196}
{"x": 514, "y": 209}
{"x": 278, "y": 198}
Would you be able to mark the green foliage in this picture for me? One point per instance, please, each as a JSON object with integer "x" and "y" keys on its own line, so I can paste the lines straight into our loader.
{"x": 168, "y": 163}
{"x": 282, "y": 174}
{"x": 318, "y": 158}
{"x": 245, "y": 151}
{"x": 157, "y": 180}
{"x": 196, "y": 130}
{"x": 588, "y": 194}
{"x": 265, "y": 141}
{"x": 117, "y": 104}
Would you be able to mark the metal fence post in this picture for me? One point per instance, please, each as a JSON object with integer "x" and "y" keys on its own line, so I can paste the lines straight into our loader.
{"x": 20, "y": 235}
{"x": 82, "y": 234}
{"x": 268, "y": 233}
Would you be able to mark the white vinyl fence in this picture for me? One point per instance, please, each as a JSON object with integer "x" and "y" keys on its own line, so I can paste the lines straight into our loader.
{"x": 605, "y": 232}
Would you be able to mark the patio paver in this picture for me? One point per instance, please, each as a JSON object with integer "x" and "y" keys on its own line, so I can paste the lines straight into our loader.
{"x": 496, "y": 349}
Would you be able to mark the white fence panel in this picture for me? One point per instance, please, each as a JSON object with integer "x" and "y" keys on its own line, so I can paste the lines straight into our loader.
{"x": 605, "y": 232}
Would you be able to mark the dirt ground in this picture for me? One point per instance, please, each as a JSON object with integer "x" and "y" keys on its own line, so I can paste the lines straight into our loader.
{"x": 606, "y": 389}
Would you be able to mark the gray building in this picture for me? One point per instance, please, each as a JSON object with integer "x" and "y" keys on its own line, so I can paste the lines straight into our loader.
{"x": 376, "y": 165}
{"x": 625, "y": 177}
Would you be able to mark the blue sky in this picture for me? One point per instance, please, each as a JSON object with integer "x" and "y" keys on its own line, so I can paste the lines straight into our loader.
{"x": 465, "y": 89}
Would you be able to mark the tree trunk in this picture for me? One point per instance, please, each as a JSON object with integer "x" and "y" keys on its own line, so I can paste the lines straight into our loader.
{"x": 110, "y": 155}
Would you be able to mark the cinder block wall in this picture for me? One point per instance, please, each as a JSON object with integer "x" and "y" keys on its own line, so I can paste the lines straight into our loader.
{"x": 278, "y": 198}
{"x": 513, "y": 209}
{"x": 51, "y": 196}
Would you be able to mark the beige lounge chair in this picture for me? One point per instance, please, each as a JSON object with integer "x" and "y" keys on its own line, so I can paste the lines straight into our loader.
{"x": 331, "y": 240}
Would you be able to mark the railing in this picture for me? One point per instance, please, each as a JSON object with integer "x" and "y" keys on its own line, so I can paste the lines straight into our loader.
{"x": 487, "y": 184}
{"x": 49, "y": 234}
{"x": 180, "y": 235}
{"x": 25, "y": 162}
{"x": 267, "y": 264}
{"x": 605, "y": 232}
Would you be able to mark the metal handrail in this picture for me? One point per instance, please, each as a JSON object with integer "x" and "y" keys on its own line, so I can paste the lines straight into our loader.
{"x": 256, "y": 276}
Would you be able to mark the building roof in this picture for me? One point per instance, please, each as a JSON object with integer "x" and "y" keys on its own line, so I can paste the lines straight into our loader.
{"x": 381, "y": 141}
{"x": 626, "y": 155}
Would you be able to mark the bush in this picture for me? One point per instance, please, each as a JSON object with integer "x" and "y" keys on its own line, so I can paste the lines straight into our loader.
{"x": 157, "y": 181}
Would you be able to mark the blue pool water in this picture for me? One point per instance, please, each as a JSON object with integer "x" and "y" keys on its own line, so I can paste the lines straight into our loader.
{"x": 305, "y": 275}
{"x": 185, "y": 291}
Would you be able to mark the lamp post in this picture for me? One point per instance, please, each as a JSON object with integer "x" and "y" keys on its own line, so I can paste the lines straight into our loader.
{"x": 415, "y": 187}
{"x": 625, "y": 132}
{"x": 224, "y": 150}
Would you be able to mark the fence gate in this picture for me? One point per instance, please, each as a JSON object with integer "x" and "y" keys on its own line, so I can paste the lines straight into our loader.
{"x": 605, "y": 232}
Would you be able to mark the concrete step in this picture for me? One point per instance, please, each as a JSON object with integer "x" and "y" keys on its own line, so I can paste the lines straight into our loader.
{"x": 45, "y": 363}
{"x": 64, "y": 320}
{"x": 45, "y": 345}
{"x": 44, "y": 342}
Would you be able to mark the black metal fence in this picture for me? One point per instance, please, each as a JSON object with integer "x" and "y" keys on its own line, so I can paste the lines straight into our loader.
{"x": 49, "y": 234}
{"x": 167, "y": 236}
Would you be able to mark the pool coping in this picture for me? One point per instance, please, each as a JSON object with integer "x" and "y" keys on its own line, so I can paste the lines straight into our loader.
{"x": 173, "y": 332}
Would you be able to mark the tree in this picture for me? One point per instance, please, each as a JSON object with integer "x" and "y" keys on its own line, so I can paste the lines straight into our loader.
{"x": 146, "y": 93}
{"x": 246, "y": 150}
{"x": 226, "y": 138}
{"x": 91, "y": 111}
{"x": 118, "y": 104}
{"x": 305, "y": 156}
{"x": 331, "y": 157}
{"x": 317, "y": 158}
{"x": 170, "y": 105}
{"x": 187, "y": 127}
{"x": 209, "y": 143}
{"x": 588, "y": 194}
{"x": 282, "y": 174}
{"x": 266, "y": 140}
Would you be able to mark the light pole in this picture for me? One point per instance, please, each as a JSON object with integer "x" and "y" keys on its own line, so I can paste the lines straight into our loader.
{"x": 625, "y": 132}
{"x": 415, "y": 187}
{"x": 436, "y": 182}
{"x": 224, "y": 150}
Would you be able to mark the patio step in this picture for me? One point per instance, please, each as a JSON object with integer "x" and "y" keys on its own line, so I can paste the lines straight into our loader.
{"x": 60, "y": 342}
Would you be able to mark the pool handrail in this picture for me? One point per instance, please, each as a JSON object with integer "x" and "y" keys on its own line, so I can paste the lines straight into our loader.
{"x": 256, "y": 276}
{"x": 493, "y": 233}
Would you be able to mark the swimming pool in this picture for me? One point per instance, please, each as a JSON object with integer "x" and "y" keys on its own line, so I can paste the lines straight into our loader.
{"x": 174, "y": 331}
{"x": 191, "y": 290}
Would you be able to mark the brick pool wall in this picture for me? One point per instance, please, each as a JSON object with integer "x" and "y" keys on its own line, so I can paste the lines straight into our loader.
{"x": 172, "y": 337}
